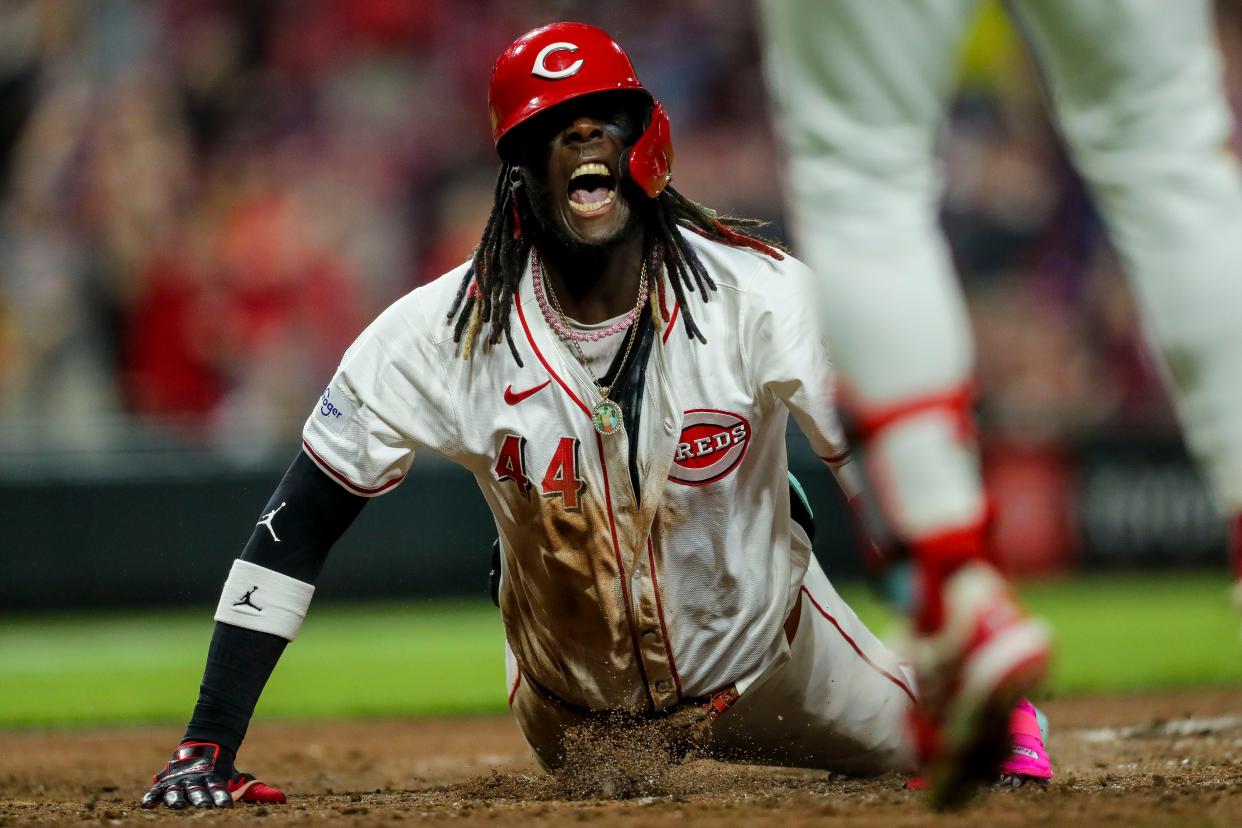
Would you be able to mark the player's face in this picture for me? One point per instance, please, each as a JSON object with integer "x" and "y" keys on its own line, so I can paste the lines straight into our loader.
{"x": 573, "y": 163}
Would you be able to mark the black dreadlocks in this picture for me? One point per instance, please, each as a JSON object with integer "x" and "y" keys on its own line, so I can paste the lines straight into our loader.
{"x": 489, "y": 285}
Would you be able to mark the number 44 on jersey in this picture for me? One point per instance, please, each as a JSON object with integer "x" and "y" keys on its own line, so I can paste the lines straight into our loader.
{"x": 561, "y": 478}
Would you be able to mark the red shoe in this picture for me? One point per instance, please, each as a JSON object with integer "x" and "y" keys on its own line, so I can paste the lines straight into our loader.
{"x": 984, "y": 656}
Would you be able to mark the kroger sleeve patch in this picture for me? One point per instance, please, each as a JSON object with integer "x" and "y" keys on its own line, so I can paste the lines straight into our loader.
{"x": 334, "y": 410}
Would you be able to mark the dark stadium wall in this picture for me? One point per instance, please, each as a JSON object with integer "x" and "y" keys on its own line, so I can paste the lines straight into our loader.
{"x": 143, "y": 538}
{"x": 169, "y": 539}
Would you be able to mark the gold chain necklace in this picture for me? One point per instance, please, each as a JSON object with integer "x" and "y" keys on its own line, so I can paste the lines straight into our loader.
{"x": 606, "y": 416}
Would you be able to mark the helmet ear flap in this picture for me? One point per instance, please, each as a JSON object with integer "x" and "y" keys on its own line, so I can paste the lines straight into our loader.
{"x": 649, "y": 163}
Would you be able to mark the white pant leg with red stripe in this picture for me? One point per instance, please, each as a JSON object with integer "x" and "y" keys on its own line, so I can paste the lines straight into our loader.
{"x": 839, "y": 703}
{"x": 859, "y": 90}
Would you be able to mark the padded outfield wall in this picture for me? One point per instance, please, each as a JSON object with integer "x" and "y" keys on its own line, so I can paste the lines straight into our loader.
{"x": 162, "y": 530}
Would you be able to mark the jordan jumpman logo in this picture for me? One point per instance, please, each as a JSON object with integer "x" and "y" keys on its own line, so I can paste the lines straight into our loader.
{"x": 267, "y": 521}
{"x": 246, "y": 602}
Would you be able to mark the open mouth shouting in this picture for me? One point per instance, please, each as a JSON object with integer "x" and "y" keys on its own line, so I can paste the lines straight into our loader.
{"x": 592, "y": 189}
{"x": 581, "y": 193}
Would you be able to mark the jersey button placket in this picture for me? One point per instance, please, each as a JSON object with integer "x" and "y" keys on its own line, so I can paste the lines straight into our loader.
{"x": 630, "y": 551}
{"x": 652, "y": 645}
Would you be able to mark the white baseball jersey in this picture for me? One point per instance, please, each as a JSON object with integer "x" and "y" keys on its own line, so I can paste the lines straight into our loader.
{"x": 612, "y": 598}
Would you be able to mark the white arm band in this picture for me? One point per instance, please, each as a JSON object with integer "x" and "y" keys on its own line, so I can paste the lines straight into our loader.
{"x": 262, "y": 599}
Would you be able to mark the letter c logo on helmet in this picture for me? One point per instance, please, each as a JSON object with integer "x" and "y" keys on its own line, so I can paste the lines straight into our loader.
{"x": 523, "y": 86}
{"x": 543, "y": 71}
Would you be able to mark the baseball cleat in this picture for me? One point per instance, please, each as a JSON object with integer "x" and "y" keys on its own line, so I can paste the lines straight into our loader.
{"x": 1028, "y": 760}
{"x": 985, "y": 655}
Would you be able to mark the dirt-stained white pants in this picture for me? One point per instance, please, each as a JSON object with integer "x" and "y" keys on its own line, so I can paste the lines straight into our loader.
{"x": 860, "y": 88}
{"x": 839, "y": 703}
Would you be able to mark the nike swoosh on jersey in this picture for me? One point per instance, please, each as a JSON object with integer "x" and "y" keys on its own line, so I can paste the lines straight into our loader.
{"x": 513, "y": 398}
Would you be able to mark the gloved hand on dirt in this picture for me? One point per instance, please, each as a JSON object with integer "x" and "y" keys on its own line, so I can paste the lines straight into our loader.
{"x": 202, "y": 774}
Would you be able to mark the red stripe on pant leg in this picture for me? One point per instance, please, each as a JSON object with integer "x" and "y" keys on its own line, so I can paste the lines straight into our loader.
{"x": 513, "y": 691}
{"x": 904, "y": 688}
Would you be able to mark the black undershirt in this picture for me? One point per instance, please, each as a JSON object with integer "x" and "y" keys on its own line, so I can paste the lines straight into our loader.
{"x": 628, "y": 391}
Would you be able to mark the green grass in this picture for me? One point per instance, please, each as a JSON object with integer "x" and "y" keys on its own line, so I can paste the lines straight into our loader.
{"x": 375, "y": 659}
{"x": 1139, "y": 633}
{"x": 1126, "y": 631}
{"x": 1114, "y": 633}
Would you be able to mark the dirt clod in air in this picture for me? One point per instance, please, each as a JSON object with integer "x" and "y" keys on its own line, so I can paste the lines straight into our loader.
{"x": 613, "y": 755}
{"x": 622, "y": 756}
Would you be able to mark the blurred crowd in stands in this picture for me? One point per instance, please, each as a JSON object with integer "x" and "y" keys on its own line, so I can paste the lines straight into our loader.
{"x": 202, "y": 202}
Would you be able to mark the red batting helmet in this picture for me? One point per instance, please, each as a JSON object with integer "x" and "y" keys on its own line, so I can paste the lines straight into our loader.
{"x": 562, "y": 61}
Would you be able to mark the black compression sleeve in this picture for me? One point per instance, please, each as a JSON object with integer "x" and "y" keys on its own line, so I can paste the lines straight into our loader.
{"x": 312, "y": 511}
{"x": 239, "y": 662}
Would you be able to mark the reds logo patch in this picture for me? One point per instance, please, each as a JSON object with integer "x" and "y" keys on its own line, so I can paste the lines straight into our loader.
{"x": 712, "y": 444}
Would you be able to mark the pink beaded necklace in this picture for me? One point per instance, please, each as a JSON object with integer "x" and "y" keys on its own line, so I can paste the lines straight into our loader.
{"x": 556, "y": 320}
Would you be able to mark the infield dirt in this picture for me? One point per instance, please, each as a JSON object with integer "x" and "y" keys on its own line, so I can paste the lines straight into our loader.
{"x": 1167, "y": 759}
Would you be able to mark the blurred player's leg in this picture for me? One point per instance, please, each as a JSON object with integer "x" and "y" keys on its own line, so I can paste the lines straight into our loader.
{"x": 1137, "y": 89}
{"x": 859, "y": 88}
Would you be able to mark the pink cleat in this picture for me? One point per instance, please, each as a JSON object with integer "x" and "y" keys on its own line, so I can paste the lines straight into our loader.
{"x": 1028, "y": 761}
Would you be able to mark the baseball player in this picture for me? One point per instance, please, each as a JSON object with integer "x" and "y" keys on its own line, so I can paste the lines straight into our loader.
{"x": 616, "y": 366}
{"x": 860, "y": 88}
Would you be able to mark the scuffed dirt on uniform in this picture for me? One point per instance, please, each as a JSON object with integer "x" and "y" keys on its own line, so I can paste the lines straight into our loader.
{"x": 574, "y": 585}
{"x": 1168, "y": 759}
